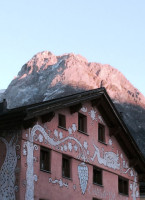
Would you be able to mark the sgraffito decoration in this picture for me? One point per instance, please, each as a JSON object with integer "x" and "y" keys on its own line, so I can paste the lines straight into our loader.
{"x": 135, "y": 192}
{"x": 109, "y": 159}
{"x": 134, "y": 185}
{"x": 7, "y": 171}
{"x": 83, "y": 109}
{"x": 59, "y": 182}
{"x": 28, "y": 148}
{"x": 64, "y": 144}
{"x": 69, "y": 144}
{"x": 92, "y": 113}
{"x": 83, "y": 176}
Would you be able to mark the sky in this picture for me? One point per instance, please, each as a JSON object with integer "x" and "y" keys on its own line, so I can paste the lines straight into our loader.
{"x": 104, "y": 31}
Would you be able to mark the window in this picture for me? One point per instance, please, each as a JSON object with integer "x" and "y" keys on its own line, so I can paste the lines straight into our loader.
{"x": 101, "y": 133}
{"x": 45, "y": 159}
{"x": 97, "y": 175}
{"x": 61, "y": 121}
{"x": 43, "y": 199}
{"x": 66, "y": 166}
{"x": 142, "y": 188}
{"x": 82, "y": 123}
{"x": 123, "y": 185}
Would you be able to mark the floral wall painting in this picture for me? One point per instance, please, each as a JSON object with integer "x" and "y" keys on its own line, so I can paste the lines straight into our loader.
{"x": 64, "y": 144}
{"x": 7, "y": 171}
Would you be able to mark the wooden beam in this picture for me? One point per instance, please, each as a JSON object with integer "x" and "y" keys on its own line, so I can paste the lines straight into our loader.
{"x": 47, "y": 117}
{"x": 96, "y": 102}
{"x": 114, "y": 131}
{"x": 141, "y": 177}
{"x": 29, "y": 123}
{"x": 75, "y": 108}
{"x": 133, "y": 162}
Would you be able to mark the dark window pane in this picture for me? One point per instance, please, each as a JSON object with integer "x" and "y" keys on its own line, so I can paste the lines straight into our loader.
{"x": 142, "y": 188}
{"x": 82, "y": 122}
{"x": 123, "y": 185}
{"x": 101, "y": 133}
{"x": 45, "y": 159}
{"x": 95, "y": 199}
{"x": 97, "y": 176}
{"x": 66, "y": 167}
{"x": 62, "y": 121}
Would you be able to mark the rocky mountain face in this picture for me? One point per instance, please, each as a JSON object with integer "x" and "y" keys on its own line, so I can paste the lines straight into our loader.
{"x": 47, "y": 76}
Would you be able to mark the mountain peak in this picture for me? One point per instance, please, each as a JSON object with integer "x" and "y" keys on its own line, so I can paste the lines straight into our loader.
{"x": 46, "y": 71}
{"x": 47, "y": 76}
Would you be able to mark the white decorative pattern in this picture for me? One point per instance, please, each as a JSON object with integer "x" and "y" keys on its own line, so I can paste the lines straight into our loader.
{"x": 85, "y": 145}
{"x": 56, "y": 133}
{"x": 74, "y": 127}
{"x": 30, "y": 171}
{"x": 125, "y": 164}
{"x": 83, "y": 109}
{"x": 70, "y": 131}
{"x": 135, "y": 193}
{"x": 70, "y": 146}
{"x": 7, "y": 171}
{"x": 83, "y": 176}
{"x": 60, "y": 135}
{"x": 92, "y": 113}
{"x": 131, "y": 187}
{"x": 131, "y": 173}
{"x": 61, "y": 148}
{"x": 110, "y": 142}
{"x": 40, "y": 138}
{"x": 58, "y": 144}
{"x": 134, "y": 185}
{"x": 109, "y": 159}
{"x": 60, "y": 182}
{"x": 75, "y": 147}
{"x": 65, "y": 147}
{"x": 24, "y": 152}
{"x": 101, "y": 119}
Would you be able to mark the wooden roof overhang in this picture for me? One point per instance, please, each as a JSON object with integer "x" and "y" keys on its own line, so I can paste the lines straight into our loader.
{"x": 25, "y": 117}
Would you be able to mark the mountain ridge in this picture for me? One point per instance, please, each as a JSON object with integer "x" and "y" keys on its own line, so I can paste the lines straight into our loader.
{"x": 47, "y": 76}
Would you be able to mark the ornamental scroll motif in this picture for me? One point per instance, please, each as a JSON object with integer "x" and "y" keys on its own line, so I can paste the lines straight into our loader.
{"x": 64, "y": 144}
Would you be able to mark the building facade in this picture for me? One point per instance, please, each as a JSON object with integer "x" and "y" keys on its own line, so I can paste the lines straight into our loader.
{"x": 72, "y": 148}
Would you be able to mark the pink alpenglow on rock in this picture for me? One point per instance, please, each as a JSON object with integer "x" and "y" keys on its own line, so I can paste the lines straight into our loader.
{"x": 47, "y": 77}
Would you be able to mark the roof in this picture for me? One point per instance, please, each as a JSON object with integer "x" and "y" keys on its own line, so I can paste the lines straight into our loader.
{"x": 26, "y": 116}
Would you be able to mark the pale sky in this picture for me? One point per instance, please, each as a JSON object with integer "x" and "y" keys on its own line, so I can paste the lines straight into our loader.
{"x": 105, "y": 31}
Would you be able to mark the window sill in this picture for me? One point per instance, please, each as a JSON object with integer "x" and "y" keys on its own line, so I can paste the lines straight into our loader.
{"x": 43, "y": 170}
{"x": 83, "y": 132}
{"x": 67, "y": 178}
{"x": 98, "y": 184}
{"x": 102, "y": 142}
{"x": 62, "y": 128}
{"x": 142, "y": 196}
{"x": 126, "y": 195}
